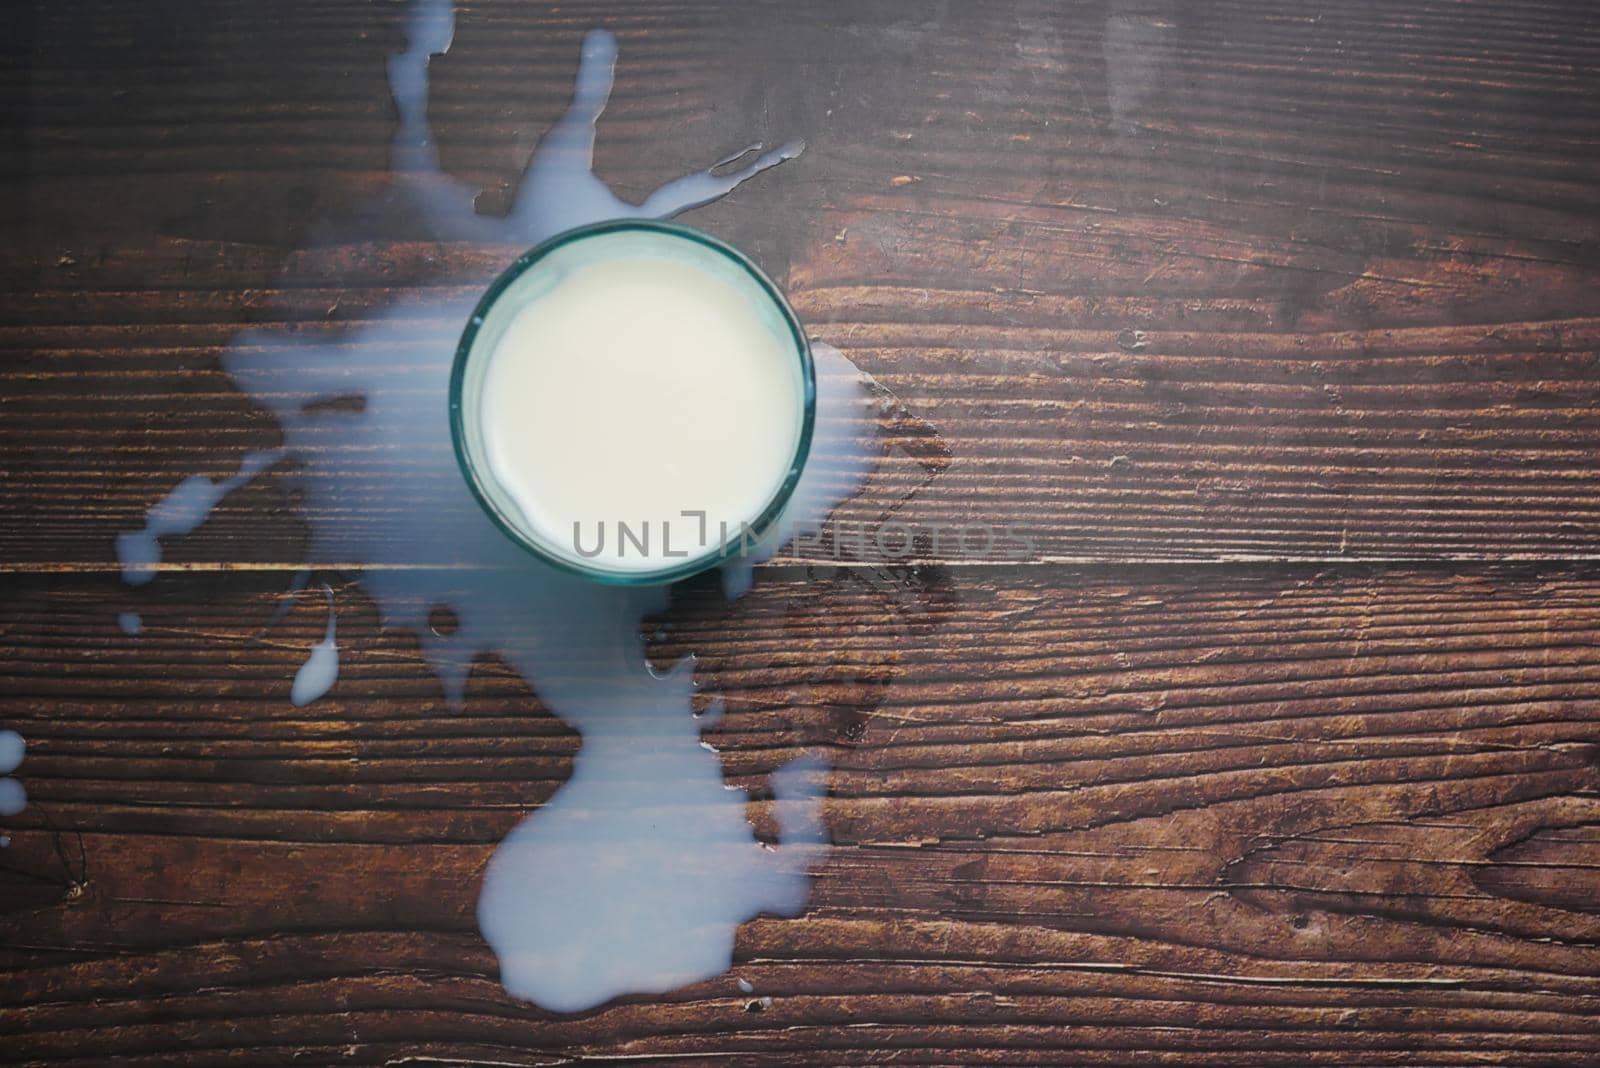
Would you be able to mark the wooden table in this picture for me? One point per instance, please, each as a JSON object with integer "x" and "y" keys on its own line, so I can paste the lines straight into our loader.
{"x": 1276, "y": 325}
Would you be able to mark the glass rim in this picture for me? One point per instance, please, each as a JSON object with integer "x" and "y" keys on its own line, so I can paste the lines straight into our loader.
{"x": 712, "y": 557}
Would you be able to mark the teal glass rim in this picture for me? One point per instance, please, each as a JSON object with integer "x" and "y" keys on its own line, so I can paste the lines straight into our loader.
{"x": 509, "y": 525}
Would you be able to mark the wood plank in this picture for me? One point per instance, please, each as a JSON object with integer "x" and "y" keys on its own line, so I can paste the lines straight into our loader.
{"x": 1210, "y": 281}
{"x": 1214, "y": 282}
{"x": 1117, "y": 816}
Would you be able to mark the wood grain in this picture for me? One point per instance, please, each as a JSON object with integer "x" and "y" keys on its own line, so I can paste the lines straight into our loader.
{"x": 1276, "y": 328}
{"x": 1174, "y": 282}
{"x": 1311, "y": 817}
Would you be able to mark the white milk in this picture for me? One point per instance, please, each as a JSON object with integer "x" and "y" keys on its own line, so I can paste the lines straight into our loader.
{"x": 637, "y": 380}
{"x": 636, "y": 874}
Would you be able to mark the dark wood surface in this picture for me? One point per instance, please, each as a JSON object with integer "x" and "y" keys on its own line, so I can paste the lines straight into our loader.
{"x": 1277, "y": 326}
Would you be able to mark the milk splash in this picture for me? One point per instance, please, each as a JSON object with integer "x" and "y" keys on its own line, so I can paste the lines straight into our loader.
{"x": 637, "y": 872}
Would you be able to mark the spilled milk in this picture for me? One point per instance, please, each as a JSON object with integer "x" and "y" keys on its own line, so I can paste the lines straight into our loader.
{"x": 637, "y": 872}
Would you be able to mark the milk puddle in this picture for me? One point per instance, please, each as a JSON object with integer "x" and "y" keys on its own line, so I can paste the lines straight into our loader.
{"x": 635, "y": 875}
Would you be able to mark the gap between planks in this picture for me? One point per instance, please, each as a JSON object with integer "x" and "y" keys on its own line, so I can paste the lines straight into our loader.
{"x": 1099, "y": 563}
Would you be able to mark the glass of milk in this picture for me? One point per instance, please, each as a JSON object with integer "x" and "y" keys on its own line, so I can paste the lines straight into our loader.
{"x": 633, "y": 402}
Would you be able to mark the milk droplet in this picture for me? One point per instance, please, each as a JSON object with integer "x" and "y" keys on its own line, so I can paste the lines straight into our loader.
{"x": 13, "y": 798}
{"x": 321, "y": 668}
{"x": 12, "y": 748}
